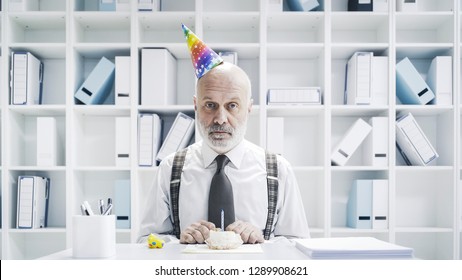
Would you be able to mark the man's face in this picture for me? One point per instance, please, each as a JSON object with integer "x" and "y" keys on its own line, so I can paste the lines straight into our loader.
{"x": 222, "y": 106}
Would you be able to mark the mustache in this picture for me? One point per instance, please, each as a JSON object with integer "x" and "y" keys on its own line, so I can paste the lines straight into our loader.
{"x": 221, "y": 128}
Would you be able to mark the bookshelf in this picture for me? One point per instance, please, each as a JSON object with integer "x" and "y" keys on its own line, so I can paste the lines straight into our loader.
{"x": 276, "y": 49}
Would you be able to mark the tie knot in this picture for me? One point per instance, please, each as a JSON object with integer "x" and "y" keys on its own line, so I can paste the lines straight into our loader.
{"x": 222, "y": 161}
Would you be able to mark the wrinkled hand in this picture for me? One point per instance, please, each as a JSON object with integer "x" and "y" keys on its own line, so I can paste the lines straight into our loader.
{"x": 249, "y": 233}
{"x": 197, "y": 232}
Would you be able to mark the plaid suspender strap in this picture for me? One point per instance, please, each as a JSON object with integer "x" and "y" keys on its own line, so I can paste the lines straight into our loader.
{"x": 272, "y": 182}
{"x": 175, "y": 180}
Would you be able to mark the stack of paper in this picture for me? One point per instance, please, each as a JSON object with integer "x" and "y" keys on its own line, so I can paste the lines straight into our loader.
{"x": 352, "y": 248}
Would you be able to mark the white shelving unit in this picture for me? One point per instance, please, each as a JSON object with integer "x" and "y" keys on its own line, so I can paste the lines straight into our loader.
{"x": 276, "y": 49}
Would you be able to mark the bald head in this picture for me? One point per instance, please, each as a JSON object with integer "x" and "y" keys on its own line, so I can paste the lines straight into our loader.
{"x": 226, "y": 77}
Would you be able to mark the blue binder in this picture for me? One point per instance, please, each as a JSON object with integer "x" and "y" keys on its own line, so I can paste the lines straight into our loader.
{"x": 302, "y": 5}
{"x": 99, "y": 83}
{"x": 410, "y": 86}
{"x": 359, "y": 208}
{"x": 107, "y": 5}
{"x": 122, "y": 203}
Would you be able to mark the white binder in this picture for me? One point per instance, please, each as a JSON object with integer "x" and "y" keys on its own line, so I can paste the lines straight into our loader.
{"x": 275, "y": 135}
{"x": 158, "y": 77}
{"x": 380, "y": 6}
{"x": 412, "y": 142}
{"x": 350, "y": 142}
{"x": 32, "y": 207}
{"x": 122, "y": 80}
{"x": 407, "y": 5}
{"x": 178, "y": 136}
{"x": 375, "y": 147}
{"x": 26, "y": 79}
{"x": 148, "y": 5}
{"x": 294, "y": 96}
{"x": 379, "y": 204}
{"x": 379, "y": 80}
{"x": 230, "y": 57}
{"x": 47, "y": 142}
{"x": 149, "y": 138}
{"x": 439, "y": 78}
{"x": 358, "y": 88}
{"x": 122, "y": 141}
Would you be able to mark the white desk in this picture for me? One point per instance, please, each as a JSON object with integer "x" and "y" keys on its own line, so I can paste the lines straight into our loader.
{"x": 173, "y": 251}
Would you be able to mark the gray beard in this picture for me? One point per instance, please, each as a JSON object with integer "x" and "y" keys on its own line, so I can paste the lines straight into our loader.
{"x": 222, "y": 146}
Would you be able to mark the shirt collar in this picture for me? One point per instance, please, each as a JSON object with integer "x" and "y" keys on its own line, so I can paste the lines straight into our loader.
{"x": 235, "y": 155}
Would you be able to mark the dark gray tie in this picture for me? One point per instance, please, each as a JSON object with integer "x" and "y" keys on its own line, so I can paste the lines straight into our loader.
{"x": 221, "y": 195}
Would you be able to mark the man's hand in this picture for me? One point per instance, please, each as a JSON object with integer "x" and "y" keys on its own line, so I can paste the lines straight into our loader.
{"x": 249, "y": 233}
{"x": 197, "y": 232}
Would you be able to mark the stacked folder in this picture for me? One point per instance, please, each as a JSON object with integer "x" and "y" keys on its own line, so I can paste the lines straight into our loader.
{"x": 352, "y": 248}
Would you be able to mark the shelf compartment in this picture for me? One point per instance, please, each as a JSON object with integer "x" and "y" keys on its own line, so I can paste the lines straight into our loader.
{"x": 438, "y": 126}
{"x": 360, "y": 28}
{"x": 23, "y": 137}
{"x": 424, "y": 198}
{"x": 303, "y": 139}
{"x": 56, "y": 203}
{"x": 236, "y": 5}
{"x": 85, "y": 60}
{"x": 94, "y": 27}
{"x": 339, "y": 126}
{"x": 428, "y": 246}
{"x": 165, "y": 27}
{"x": 47, "y": 6}
{"x": 94, "y": 185}
{"x": 37, "y": 27}
{"x": 342, "y": 180}
{"x": 424, "y": 28}
{"x": 295, "y": 28}
{"x": 288, "y": 66}
{"x": 245, "y": 28}
{"x": 95, "y": 139}
{"x": 43, "y": 243}
{"x": 311, "y": 185}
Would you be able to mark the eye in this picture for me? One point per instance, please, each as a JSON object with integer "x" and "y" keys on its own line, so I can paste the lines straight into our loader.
{"x": 233, "y": 106}
{"x": 210, "y": 105}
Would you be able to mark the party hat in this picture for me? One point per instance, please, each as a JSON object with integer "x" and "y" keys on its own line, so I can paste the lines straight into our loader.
{"x": 203, "y": 57}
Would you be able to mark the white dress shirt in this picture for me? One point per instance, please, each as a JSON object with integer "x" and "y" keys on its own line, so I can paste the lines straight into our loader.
{"x": 247, "y": 173}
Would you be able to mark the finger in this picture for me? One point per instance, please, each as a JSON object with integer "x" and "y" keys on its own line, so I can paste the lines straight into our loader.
{"x": 207, "y": 224}
{"x": 246, "y": 234}
{"x": 197, "y": 235}
{"x": 204, "y": 230}
{"x": 236, "y": 227}
{"x": 256, "y": 237}
{"x": 186, "y": 238}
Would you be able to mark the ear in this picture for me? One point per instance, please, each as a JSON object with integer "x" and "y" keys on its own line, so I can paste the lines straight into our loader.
{"x": 195, "y": 102}
{"x": 250, "y": 105}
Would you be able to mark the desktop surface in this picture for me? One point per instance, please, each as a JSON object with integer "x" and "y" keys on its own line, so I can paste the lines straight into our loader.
{"x": 174, "y": 251}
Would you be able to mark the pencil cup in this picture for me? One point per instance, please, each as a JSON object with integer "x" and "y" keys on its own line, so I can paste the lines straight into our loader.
{"x": 93, "y": 236}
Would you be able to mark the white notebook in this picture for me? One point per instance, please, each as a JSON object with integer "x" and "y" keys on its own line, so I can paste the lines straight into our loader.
{"x": 352, "y": 248}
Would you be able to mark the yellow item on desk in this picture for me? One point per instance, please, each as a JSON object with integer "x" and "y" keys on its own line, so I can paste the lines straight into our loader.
{"x": 155, "y": 242}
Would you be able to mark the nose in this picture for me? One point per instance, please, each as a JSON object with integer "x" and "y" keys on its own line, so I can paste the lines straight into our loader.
{"x": 221, "y": 116}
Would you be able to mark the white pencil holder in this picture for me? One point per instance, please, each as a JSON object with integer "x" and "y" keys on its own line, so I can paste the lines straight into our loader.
{"x": 93, "y": 236}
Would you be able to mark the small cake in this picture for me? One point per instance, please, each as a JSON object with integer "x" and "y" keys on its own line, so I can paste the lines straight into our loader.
{"x": 223, "y": 240}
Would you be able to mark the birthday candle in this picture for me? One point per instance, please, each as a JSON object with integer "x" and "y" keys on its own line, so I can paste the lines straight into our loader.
{"x": 222, "y": 220}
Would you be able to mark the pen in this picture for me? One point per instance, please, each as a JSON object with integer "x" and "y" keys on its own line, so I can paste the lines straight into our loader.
{"x": 88, "y": 208}
{"x": 101, "y": 206}
{"x": 109, "y": 202}
{"x": 108, "y": 210}
{"x": 83, "y": 210}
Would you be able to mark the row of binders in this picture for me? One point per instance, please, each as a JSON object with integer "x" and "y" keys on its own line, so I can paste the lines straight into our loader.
{"x": 411, "y": 142}
{"x": 151, "y": 149}
{"x": 366, "y": 81}
{"x": 367, "y": 206}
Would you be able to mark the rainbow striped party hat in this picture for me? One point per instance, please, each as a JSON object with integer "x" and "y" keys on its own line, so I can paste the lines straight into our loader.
{"x": 203, "y": 57}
